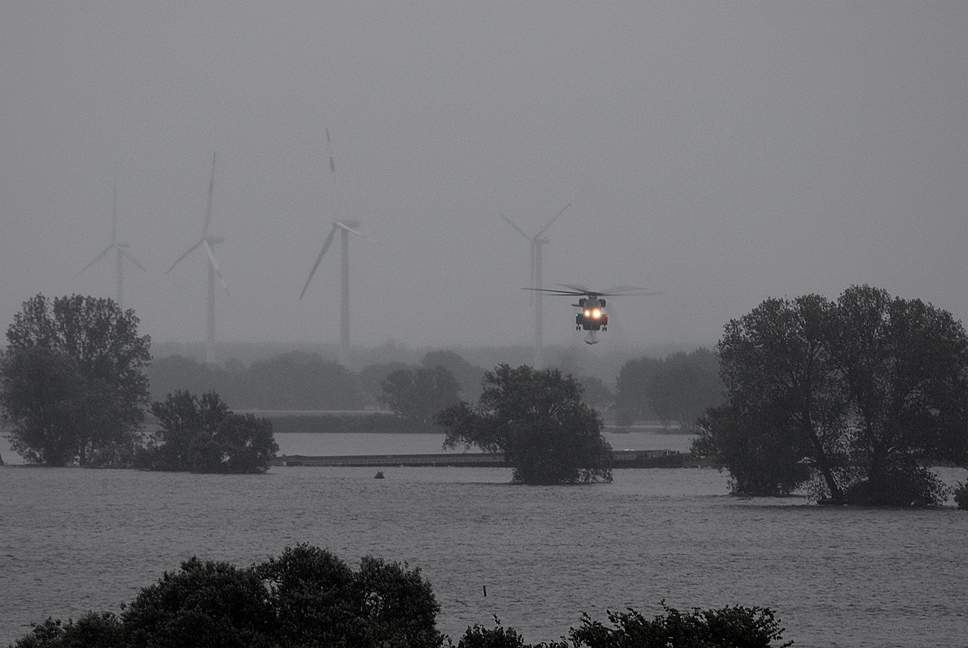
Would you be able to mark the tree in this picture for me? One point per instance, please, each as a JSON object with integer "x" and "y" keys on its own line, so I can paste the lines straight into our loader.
{"x": 685, "y": 385}
{"x": 306, "y": 597}
{"x": 630, "y": 388}
{"x": 905, "y": 367}
{"x": 862, "y": 393}
{"x": 201, "y": 434}
{"x": 74, "y": 386}
{"x": 418, "y": 393}
{"x": 723, "y": 628}
{"x": 468, "y": 375}
{"x": 299, "y": 380}
{"x": 537, "y": 419}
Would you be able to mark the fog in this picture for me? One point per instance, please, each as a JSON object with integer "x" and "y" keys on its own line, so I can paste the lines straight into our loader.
{"x": 717, "y": 152}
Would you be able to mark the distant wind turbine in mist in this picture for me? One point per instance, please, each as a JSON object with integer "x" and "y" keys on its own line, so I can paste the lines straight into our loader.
{"x": 345, "y": 228}
{"x": 208, "y": 241}
{"x": 120, "y": 249}
{"x": 537, "y": 241}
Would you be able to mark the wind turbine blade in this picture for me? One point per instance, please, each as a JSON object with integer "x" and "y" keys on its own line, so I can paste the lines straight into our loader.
{"x": 553, "y": 219}
{"x": 329, "y": 149}
{"x": 211, "y": 190}
{"x": 511, "y": 223}
{"x": 114, "y": 214}
{"x": 533, "y": 262}
{"x": 133, "y": 260}
{"x": 342, "y": 225}
{"x": 187, "y": 252}
{"x": 96, "y": 259}
{"x": 326, "y": 244}
{"x": 211, "y": 259}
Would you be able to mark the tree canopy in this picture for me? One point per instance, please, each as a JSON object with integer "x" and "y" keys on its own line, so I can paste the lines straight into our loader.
{"x": 537, "y": 419}
{"x": 861, "y": 393}
{"x": 677, "y": 389}
{"x": 306, "y": 597}
{"x": 201, "y": 434}
{"x": 74, "y": 387}
{"x": 418, "y": 393}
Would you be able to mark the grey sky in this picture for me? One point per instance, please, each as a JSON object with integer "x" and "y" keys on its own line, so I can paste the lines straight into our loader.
{"x": 718, "y": 152}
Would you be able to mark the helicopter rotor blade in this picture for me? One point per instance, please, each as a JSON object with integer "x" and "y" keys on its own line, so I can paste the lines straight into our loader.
{"x": 578, "y": 289}
{"x": 326, "y": 244}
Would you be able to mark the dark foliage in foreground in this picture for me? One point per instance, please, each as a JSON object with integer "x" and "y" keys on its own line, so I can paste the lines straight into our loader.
{"x": 729, "y": 627}
{"x": 306, "y": 597}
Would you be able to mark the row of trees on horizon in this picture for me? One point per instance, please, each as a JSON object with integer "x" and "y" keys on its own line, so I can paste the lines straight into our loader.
{"x": 674, "y": 390}
{"x": 854, "y": 400}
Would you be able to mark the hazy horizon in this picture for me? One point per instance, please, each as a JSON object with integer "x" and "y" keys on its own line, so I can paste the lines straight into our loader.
{"x": 718, "y": 153}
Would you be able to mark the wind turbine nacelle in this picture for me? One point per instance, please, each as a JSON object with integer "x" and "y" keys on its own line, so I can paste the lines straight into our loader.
{"x": 214, "y": 240}
{"x": 350, "y": 224}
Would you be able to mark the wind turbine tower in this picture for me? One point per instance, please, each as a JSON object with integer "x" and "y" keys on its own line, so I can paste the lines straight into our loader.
{"x": 345, "y": 228}
{"x": 537, "y": 241}
{"x": 208, "y": 241}
{"x": 121, "y": 252}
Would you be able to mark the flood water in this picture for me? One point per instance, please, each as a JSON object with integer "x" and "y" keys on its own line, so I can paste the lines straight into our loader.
{"x": 73, "y": 540}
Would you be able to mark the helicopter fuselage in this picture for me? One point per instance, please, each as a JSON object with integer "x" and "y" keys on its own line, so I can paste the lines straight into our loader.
{"x": 591, "y": 314}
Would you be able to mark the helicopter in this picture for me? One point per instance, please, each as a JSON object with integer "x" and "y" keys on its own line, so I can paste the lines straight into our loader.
{"x": 592, "y": 316}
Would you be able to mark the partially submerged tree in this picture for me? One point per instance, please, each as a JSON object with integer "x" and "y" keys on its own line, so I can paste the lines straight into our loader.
{"x": 862, "y": 393}
{"x": 74, "y": 387}
{"x": 537, "y": 419}
{"x": 201, "y": 434}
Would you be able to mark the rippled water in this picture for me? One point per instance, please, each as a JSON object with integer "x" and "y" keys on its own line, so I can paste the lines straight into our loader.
{"x": 73, "y": 540}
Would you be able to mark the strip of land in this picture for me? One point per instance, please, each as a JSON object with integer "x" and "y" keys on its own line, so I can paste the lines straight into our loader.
{"x": 621, "y": 459}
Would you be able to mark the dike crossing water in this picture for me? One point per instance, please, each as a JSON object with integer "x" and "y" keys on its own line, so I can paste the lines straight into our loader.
{"x": 620, "y": 459}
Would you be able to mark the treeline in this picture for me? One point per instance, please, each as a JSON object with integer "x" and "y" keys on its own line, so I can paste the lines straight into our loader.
{"x": 675, "y": 390}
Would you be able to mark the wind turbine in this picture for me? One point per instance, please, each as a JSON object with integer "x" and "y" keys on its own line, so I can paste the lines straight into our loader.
{"x": 208, "y": 241}
{"x": 345, "y": 228}
{"x": 536, "y": 279}
{"x": 120, "y": 249}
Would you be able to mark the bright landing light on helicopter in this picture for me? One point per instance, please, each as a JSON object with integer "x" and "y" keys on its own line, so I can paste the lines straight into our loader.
{"x": 594, "y": 314}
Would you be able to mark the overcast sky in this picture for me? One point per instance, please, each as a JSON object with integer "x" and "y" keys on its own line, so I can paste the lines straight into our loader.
{"x": 718, "y": 152}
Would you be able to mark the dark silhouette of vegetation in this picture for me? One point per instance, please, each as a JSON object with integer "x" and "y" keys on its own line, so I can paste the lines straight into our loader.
{"x": 291, "y": 381}
{"x": 73, "y": 386}
{"x": 537, "y": 419}
{"x": 305, "y": 597}
{"x": 859, "y": 395}
{"x": 417, "y": 394}
{"x": 961, "y": 496}
{"x": 675, "y": 390}
{"x": 470, "y": 376}
{"x": 310, "y": 597}
{"x": 728, "y": 627}
{"x": 201, "y": 434}
{"x": 630, "y": 387}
